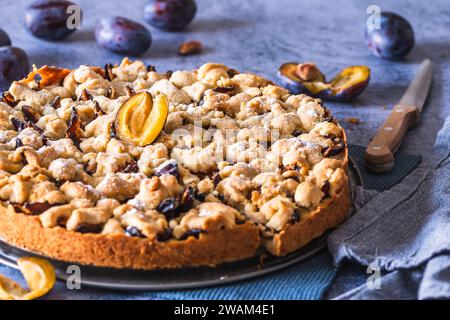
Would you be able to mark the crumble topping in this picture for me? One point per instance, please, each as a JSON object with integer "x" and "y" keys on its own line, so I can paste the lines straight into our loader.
{"x": 234, "y": 147}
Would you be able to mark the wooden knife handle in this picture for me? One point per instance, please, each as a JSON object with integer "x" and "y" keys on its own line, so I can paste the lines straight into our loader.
{"x": 379, "y": 155}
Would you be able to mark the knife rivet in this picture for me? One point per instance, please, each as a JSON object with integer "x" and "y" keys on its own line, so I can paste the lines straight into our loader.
{"x": 376, "y": 148}
{"x": 388, "y": 128}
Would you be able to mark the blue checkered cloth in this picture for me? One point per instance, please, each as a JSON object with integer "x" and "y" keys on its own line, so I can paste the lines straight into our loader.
{"x": 404, "y": 232}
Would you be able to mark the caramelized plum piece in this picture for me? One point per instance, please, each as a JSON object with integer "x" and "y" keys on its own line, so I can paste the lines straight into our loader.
{"x": 170, "y": 168}
{"x": 202, "y": 196}
{"x": 168, "y": 207}
{"x": 306, "y": 78}
{"x": 173, "y": 207}
{"x": 89, "y": 228}
{"x": 19, "y": 125}
{"x": 326, "y": 188}
{"x": 133, "y": 232}
{"x": 98, "y": 110}
{"x": 8, "y": 99}
{"x": 47, "y": 76}
{"x": 34, "y": 208}
{"x": 337, "y": 147}
{"x": 109, "y": 75}
{"x": 165, "y": 235}
{"x": 216, "y": 178}
{"x": 191, "y": 233}
{"x": 130, "y": 91}
{"x": 327, "y": 116}
{"x": 187, "y": 199}
{"x": 56, "y": 103}
{"x": 131, "y": 167}
{"x": 90, "y": 167}
{"x": 85, "y": 96}
{"x": 228, "y": 90}
{"x": 30, "y": 114}
{"x": 139, "y": 120}
{"x": 111, "y": 93}
{"x": 74, "y": 130}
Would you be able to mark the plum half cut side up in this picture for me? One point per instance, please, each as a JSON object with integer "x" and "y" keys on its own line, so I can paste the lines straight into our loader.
{"x": 348, "y": 84}
{"x": 140, "y": 120}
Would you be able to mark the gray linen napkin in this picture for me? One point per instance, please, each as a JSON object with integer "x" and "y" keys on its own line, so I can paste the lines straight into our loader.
{"x": 404, "y": 231}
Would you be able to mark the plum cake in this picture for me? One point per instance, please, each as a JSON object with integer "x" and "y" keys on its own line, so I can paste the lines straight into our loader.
{"x": 126, "y": 167}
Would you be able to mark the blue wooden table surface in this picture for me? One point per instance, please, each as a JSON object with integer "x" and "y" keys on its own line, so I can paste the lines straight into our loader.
{"x": 259, "y": 35}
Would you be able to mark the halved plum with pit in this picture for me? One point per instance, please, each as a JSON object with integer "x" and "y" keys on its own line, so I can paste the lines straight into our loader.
{"x": 301, "y": 78}
{"x": 140, "y": 120}
{"x": 307, "y": 79}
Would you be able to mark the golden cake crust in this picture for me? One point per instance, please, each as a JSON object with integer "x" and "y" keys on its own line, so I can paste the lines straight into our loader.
{"x": 118, "y": 251}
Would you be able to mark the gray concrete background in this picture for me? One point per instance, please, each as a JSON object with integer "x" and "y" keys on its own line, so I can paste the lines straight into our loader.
{"x": 259, "y": 35}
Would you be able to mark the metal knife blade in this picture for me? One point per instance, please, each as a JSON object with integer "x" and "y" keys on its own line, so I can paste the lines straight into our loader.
{"x": 417, "y": 92}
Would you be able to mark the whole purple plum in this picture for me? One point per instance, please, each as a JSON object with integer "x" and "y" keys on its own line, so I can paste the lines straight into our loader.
{"x": 47, "y": 19}
{"x": 14, "y": 65}
{"x": 123, "y": 36}
{"x": 4, "y": 39}
{"x": 170, "y": 15}
{"x": 393, "y": 40}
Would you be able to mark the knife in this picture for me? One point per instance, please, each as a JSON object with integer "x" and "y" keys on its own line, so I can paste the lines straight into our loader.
{"x": 379, "y": 156}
